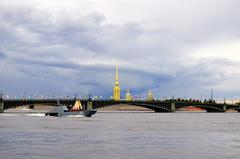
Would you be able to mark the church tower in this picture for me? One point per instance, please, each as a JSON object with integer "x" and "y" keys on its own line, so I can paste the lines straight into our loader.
{"x": 116, "y": 90}
{"x": 150, "y": 96}
{"x": 128, "y": 96}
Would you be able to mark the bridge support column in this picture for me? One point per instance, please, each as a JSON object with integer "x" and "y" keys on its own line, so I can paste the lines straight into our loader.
{"x": 224, "y": 108}
{"x": 31, "y": 106}
{"x": 173, "y": 107}
{"x": 1, "y": 105}
{"x": 238, "y": 109}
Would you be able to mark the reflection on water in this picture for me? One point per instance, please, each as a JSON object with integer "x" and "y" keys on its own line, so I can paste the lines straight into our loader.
{"x": 121, "y": 135}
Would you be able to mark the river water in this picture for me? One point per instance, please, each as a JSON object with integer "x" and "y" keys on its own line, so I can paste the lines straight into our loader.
{"x": 121, "y": 135}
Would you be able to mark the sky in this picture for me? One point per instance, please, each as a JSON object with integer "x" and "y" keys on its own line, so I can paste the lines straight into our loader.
{"x": 175, "y": 48}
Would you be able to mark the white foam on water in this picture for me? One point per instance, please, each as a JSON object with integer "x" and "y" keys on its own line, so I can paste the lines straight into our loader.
{"x": 6, "y": 114}
{"x": 36, "y": 114}
{"x": 75, "y": 116}
{"x": 26, "y": 109}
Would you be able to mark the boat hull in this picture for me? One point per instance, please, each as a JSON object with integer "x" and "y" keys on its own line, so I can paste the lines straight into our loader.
{"x": 63, "y": 111}
{"x": 89, "y": 113}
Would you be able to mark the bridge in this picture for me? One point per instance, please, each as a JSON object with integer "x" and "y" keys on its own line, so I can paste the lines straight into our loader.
{"x": 171, "y": 105}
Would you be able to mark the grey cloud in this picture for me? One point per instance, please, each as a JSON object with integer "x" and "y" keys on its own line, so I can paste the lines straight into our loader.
{"x": 80, "y": 53}
{"x": 2, "y": 55}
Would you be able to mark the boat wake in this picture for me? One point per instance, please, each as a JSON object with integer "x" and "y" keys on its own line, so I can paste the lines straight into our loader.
{"x": 36, "y": 114}
{"x": 23, "y": 114}
{"x": 75, "y": 116}
{"x": 5, "y": 114}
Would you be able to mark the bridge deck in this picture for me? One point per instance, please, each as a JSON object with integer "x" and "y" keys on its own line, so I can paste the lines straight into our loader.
{"x": 157, "y": 105}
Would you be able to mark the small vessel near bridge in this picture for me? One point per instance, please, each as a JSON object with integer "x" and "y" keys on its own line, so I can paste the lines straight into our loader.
{"x": 77, "y": 109}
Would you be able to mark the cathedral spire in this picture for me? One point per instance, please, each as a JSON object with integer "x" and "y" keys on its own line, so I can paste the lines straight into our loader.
{"x": 116, "y": 74}
{"x": 116, "y": 90}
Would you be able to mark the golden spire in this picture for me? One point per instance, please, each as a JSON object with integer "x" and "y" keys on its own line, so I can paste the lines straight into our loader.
{"x": 116, "y": 90}
{"x": 116, "y": 75}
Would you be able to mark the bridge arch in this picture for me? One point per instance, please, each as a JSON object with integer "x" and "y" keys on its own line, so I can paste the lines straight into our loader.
{"x": 208, "y": 108}
{"x": 155, "y": 108}
{"x": 8, "y": 104}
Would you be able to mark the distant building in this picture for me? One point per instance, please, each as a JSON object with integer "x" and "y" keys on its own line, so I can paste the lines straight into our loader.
{"x": 150, "y": 95}
{"x": 228, "y": 101}
{"x": 128, "y": 96}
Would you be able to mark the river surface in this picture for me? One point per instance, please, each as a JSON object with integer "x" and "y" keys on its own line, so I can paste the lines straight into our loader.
{"x": 121, "y": 135}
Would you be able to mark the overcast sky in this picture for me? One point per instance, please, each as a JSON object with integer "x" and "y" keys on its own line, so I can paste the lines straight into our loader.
{"x": 182, "y": 48}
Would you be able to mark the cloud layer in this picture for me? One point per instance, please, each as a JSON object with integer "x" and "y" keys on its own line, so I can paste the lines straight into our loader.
{"x": 175, "y": 48}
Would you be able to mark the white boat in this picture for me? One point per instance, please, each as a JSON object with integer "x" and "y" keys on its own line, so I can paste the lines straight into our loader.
{"x": 77, "y": 109}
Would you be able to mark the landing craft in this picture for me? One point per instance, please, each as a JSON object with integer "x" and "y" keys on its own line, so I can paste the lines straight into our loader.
{"x": 77, "y": 109}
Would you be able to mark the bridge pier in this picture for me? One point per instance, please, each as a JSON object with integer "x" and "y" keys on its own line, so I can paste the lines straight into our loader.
{"x": 224, "y": 108}
{"x": 1, "y": 105}
{"x": 31, "y": 106}
{"x": 173, "y": 107}
{"x": 238, "y": 109}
